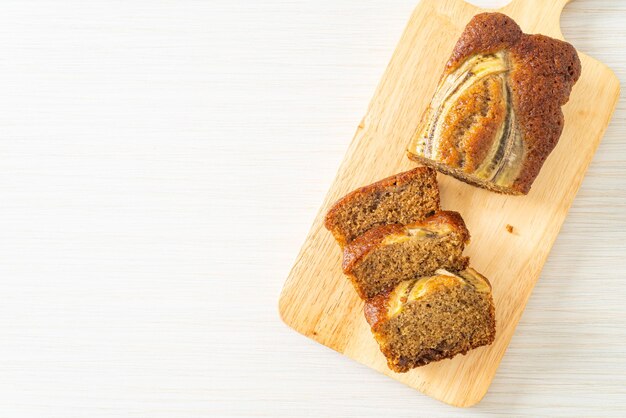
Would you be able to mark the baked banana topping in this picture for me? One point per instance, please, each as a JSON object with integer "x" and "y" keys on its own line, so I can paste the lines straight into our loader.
{"x": 496, "y": 114}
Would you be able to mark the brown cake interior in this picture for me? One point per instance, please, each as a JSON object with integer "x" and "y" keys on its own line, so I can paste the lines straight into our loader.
{"x": 402, "y": 199}
{"x": 376, "y": 261}
{"x": 432, "y": 318}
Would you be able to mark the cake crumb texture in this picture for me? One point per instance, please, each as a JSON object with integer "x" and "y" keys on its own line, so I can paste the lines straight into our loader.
{"x": 400, "y": 199}
{"x": 432, "y": 318}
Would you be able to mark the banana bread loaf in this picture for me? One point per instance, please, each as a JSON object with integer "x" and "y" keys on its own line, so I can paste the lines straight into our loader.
{"x": 404, "y": 198}
{"x": 432, "y": 318}
{"x": 496, "y": 114}
{"x": 388, "y": 254}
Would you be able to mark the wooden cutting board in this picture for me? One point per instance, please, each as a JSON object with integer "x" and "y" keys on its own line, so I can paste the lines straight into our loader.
{"x": 320, "y": 303}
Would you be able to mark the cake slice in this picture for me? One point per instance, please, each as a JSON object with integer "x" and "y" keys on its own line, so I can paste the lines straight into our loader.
{"x": 404, "y": 198}
{"x": 432, "y": 318}
{"x": 388, "y": 254}
{"x": 496, "y": 114}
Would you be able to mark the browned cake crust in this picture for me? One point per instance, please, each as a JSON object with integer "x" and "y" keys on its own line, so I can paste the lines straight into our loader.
{"x": 403, "y": 198}
{"x": 432, "y": 318}
{"x": 385, "y": 255}
{"x": 499, "y": 131}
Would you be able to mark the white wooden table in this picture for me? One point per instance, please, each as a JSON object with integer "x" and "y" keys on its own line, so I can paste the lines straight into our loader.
{"x": 160, "y": 165}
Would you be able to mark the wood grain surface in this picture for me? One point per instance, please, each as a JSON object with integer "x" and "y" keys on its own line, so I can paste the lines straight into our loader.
{"x": 161, "y": 163}
{"x": 317, "y": 300}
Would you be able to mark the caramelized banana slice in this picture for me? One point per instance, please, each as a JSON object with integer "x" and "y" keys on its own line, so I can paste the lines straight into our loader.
{"x": 481, "y": 82}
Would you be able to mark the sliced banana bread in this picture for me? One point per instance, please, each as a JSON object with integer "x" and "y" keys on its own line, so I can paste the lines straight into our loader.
{"x": 388, "y": 254}
{"x": 401, "y": 199}
{"x": 432, "y": 318}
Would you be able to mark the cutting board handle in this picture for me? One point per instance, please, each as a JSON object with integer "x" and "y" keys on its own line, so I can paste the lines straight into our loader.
{"x": 542, "y": 16}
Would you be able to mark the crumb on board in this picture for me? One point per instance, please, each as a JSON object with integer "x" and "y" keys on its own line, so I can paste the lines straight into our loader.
{"x": 509, "y": 228}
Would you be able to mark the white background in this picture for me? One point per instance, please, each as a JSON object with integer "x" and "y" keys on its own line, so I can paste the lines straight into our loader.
{"x": 160, "y": 165}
